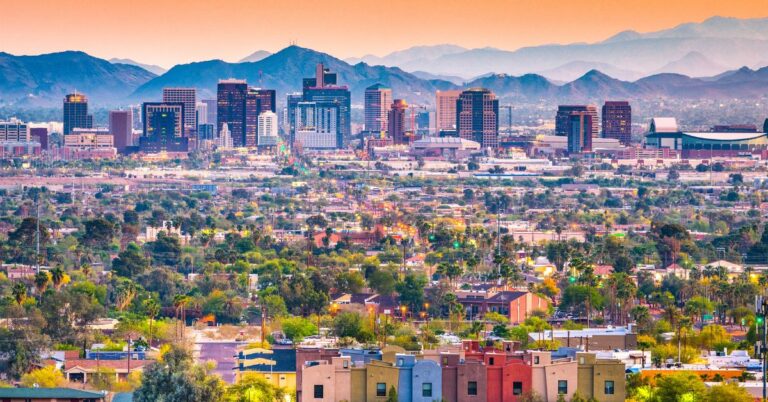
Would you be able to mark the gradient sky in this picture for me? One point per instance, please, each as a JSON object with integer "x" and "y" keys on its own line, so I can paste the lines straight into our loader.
{"x": 168, "y": 32}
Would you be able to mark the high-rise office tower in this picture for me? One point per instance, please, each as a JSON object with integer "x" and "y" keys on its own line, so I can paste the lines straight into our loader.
{"x": 211, "y": 109}
{"x": 477, "y": 117}
{"x": 445, "y": 110}
{"x": 76, "y": 113}
{"x": 39, "y": 134}
{"x": 378, "y": 98}
{"x": 564, "y": 113}
{"x": 617, "y": 121}
{"x": 257, "y": 101}
{"x": 292, "y": 101}
{"x": 201, "y": 111}
{"x": 324, "y": 91}
{"x": 230, "y": 106}
{"x": 188, "y": 97}
{"x": 580, "y": 132}
{"x": 317, "y": 125}
{"x": 398, "y": 122}
{"x": 120, "y": 126}
{"x": 163, "y": 128}
{"x": 267, "y": 129}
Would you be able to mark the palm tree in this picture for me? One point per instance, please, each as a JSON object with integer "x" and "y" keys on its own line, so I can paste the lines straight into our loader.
{"x": 151, "y": 309}
{"x": 180, "y": 302}
{"x": 41, "y": 281}
{"x": 19, "y": 292}
{"x": 57, "y": 276}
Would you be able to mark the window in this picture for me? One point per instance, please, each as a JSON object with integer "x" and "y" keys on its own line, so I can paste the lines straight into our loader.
{"x": 318, "y": 392}
{"x": 426, "y": 389}
{"x": 400, "y": 361}
{"x": 517, "y": 388}
{"x": 610, "y": 387}
{"x": 535, "y": 359}
{"x": 345, "y": 364}
{"x": 562, "y": 387}
{"x": 472, "y": 388}
{"x": 381, "y": 389}
{"x": 490, "y": 361}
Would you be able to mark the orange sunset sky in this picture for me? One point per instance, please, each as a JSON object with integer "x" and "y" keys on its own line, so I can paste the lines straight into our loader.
{"x": 168, "y": 32}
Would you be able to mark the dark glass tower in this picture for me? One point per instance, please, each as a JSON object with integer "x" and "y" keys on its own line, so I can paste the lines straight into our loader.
{"x": 230, "y": 109}
{"x": 477, "y": 117}
{"x": 617, "y": 121}
{"x": 76, "y": 113}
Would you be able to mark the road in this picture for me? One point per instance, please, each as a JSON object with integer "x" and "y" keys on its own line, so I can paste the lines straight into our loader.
{"x": 223, "y": 353}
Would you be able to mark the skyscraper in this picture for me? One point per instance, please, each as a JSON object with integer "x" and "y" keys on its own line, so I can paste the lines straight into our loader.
{"x": 617, "y": 121}
{"x": 230, "y": 106}
{"x": 398, "y": 123}
{"x": 201, "y": 111}
{"x": 317, "y": 125}
{"x": 211, "y": 109}
{"x": 292, "y": 101}
{"x": 378, "y": 98}
{"x": 76, "y": 113}
{"x": 445, "y": 110}
{"x": 267, "y": 129}
{"x": 477, "y": 117}
{"x": 564, "y": 113}
{"x": 257, "y": 101}
{"x": 324, "y": 91}
{"x": 120, "y": 123}
{"x": 163, "y": 128}
{"x": 580, "y": 132}
{"x": 188, "y": 97}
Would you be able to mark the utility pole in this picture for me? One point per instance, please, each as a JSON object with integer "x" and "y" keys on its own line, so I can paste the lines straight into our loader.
{"x": 37, "y": 235}
{"x": 761, "y": 308}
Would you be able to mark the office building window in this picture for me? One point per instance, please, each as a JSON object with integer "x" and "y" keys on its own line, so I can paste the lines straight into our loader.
{"x": 517, "y": 388}
{"x": 426, "y": 389}
{"x": 610, "y": 387}
{"x": 381, "y": 389}
{"x": 318, "y": 392}
{"x": 562, "y": 387}
{"x": 472, "y": 388}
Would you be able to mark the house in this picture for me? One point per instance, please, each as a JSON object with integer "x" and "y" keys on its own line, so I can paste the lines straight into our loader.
{"x": 49, "y": 395}
{"x": 420, "y": 380}
{"x": 373, "y": 382}
{"x": 601, "y": 379}
{"x": 79, "y": 370}
{"x": 552, "y": 378}
{"x": 327, "y": 381}
{"x": 276, "y": 365}
{"x": 516, "y": 305}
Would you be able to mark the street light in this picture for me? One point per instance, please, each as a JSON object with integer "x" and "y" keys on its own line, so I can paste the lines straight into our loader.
{"x": 403, "y": 310}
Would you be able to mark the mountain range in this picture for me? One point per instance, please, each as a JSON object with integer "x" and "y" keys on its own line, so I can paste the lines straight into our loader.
{"x": 152, "y": 68}
{"x": 728, "y": 43}
{"x": 42, "y": 80}
{"x": 33, "y": 81}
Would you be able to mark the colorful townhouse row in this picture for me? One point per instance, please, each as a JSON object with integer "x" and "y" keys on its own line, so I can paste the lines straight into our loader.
{"x": 469, "y": 373}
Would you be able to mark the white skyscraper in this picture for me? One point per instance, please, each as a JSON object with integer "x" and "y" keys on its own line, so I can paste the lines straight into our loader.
{"x": 267, "y": 129}
{"x": 225, "y": 138}
{"x": 202, "y": 113}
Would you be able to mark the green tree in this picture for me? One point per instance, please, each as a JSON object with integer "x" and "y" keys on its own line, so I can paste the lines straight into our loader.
{"x": 382, "y": 281}
{"x": 411, "y": 290}
{"x": 347, "y": 324}
{"x": 130, "y": 262}
{"x": 392, "y": 395}
{"x": 98, "y": 233}
{"x": 679, "y": 387}
{"x": 297, "y": 328}
{"x": 730, "y": 392}
{"x": 176, "y": 378}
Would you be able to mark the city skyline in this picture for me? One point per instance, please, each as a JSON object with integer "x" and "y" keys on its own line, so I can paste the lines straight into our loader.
{"x": 505, "y": 25}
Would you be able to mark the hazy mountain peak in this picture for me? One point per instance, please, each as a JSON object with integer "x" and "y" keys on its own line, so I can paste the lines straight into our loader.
{"x": 154, "y": 69}
{"x": 256, "y": 56}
